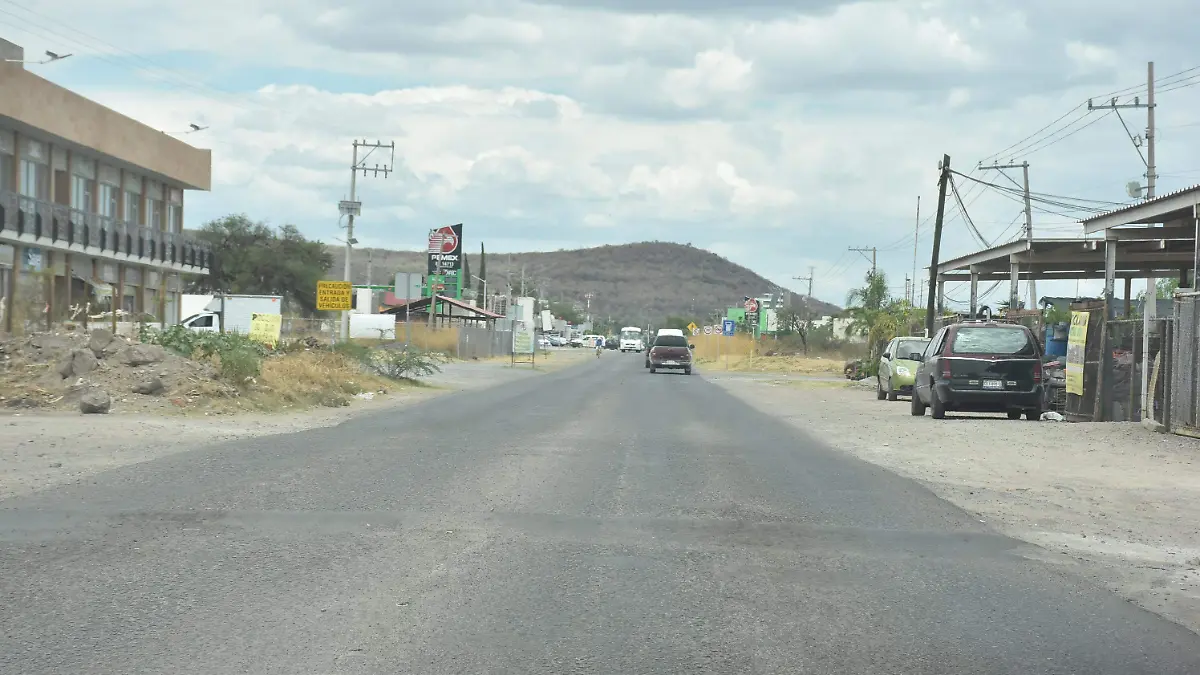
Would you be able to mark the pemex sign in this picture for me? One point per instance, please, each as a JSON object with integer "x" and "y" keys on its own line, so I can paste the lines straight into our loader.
{"x": 445, "y": 249}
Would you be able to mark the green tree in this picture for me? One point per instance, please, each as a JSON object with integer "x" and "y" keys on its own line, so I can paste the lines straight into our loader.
{"x": 251, "y": 257}
{"x": 568, "y": 311}
{"x": 874, "y": 314}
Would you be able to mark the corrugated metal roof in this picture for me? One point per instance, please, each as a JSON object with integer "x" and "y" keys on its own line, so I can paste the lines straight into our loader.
{"x": 1140, "y": 204}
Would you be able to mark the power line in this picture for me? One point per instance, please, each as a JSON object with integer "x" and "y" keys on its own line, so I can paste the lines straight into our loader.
{"x": 98, "y": 47}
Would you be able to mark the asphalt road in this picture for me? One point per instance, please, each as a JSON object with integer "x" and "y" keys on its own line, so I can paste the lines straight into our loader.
{"x": 594, "y": 520}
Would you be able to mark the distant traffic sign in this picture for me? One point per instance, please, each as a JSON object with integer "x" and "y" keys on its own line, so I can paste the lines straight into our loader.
{"x": 334, "y": 295}
{"x": 696, "y": 330}
{"x": 751, "y": 305}
{"x": 692, "y": 327}
{"x": 708, "y": 330}
{"x": 727, "y": 327}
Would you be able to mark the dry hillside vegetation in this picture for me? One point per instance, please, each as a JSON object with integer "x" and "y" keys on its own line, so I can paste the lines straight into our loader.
{"x": 631, "y": 282}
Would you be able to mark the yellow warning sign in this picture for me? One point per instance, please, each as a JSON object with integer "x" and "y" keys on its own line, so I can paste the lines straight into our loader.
{"x": 334, "y": 295}
{"x": 692, "y": 327}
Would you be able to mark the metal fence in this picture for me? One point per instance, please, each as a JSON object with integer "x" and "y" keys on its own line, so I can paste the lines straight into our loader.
{"x": 1121, "y": 372}
{"x": 478, "y": 342}
{"x": 1185, "y": 390}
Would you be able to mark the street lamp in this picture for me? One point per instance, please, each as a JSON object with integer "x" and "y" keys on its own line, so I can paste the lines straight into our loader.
{"x": 50, "y": 58}
{"x": 484, "y": 282}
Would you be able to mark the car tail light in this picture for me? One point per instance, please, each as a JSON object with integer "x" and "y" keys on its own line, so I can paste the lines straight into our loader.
{"x": 946, "y": 374}
{"x": 1037, "y": 372}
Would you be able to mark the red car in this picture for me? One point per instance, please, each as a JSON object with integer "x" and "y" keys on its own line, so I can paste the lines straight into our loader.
{"x": 671, "y": 351}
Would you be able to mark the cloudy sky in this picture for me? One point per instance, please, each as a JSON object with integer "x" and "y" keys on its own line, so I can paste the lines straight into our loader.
{"x": 776, "y": 133}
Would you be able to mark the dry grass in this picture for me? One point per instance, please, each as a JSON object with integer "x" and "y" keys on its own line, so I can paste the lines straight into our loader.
{"x": 307, "y": 379}
{"x": 737, "y": 353}
{"x": 798, "y": 365}
{"x": 435, "y": 340}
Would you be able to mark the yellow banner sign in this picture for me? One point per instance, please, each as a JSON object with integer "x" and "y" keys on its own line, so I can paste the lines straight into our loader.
{"x": 1076, "y": 350}
{"x": 336, "y": 296}
{"x": 264, "y": 328}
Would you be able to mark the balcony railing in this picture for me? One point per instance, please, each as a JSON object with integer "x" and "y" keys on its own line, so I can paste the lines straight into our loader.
{"x": 92, "y": 233}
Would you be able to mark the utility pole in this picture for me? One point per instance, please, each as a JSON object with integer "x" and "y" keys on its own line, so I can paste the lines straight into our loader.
{"x": 930, "y": 305}
{"x": 809, "y": 279}
{"x": 370, "y": 262}
{"x": 912, "y": 299}
{"x": 352, "y": 207}
{"x": 1150, "y": 310}
{"x": 1024, "y": 166}
{"x": 863, "y": 251}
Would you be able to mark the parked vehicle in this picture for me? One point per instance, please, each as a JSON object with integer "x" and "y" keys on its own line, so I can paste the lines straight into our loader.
{"x": 671, "y": 351}
{"x": 631, "y": 339}
{"x": 237, "y": 311}
{"x": 576, "y": 341}
{"x": 981, "y": 366}
{"x": 611, "y": 342}
{"x": 898, "y": 367}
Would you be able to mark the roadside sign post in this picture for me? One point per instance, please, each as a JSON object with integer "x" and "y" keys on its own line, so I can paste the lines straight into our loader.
{"x": 727, "y": 328}
{"x": 334, "y": 296}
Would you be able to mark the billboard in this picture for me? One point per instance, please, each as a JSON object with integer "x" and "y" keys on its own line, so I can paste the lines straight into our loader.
{"x": 445, "y": 249}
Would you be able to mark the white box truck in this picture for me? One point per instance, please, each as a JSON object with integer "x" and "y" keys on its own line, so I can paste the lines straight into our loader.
{"x": 237, "y": 311}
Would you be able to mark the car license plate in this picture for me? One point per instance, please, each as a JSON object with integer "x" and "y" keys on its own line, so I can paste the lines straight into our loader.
{"x": 670, "y": 363}
{"x": 993, "y": 384}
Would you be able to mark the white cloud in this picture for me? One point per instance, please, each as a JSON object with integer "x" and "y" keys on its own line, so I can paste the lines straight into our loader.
{"x": 551, "y": 124}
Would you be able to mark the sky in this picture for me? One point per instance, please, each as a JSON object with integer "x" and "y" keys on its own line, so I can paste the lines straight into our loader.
{"x": 774, "y": 136}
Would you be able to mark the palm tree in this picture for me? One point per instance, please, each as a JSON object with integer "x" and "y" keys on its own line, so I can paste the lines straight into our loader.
{"x": 874, "y": 314}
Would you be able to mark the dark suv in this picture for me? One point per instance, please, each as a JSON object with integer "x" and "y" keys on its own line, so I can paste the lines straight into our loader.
{"x": 980, "y": 366}
{"x": 670, "y": 351}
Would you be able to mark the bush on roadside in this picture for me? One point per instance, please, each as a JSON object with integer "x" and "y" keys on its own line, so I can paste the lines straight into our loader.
{"x": 406, "y": 364}
{"x": 238, "y": 357}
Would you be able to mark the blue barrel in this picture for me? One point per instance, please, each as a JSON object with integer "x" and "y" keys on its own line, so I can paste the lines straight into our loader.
{"x": 1056, "y": 347}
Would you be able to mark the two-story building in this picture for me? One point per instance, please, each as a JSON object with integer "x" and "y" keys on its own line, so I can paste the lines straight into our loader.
{"x": 91, "y": 206}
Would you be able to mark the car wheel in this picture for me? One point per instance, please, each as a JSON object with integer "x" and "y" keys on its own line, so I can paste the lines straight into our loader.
{"x": 892, "y": 394}
{"x": 1014, "y": 414}
{"x": 687, "y": 371}
{"x": 1033, "y": 415}
{"x": 918, "y": 408}
{"x": 880, "y": 394}
{"x": 936, "y": 408}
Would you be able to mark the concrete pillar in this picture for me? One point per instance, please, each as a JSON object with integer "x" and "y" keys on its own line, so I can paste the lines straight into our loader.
{"x": 974, "y": 292}
{"x": 1014, "y": 282}
{"x": 10, "y": 302}
{"x": 1110, "y": 277}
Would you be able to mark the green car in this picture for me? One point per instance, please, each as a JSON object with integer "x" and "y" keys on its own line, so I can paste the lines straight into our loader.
{"x": 897, "y": 369}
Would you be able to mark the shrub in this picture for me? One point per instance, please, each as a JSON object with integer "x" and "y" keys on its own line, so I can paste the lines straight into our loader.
{"x": 238, "y": 357}
{"x": 406, "y": 364}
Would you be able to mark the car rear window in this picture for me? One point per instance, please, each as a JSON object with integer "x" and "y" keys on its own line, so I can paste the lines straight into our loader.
{"x": 1006, "y": 340}
{"x": 906, "y": 348}
{"x": 670, "y": 341}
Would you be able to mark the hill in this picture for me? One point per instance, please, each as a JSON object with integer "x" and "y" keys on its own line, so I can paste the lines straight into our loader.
{"x": 639, "y": 282}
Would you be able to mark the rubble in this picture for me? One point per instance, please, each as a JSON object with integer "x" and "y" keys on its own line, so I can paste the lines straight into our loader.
{"x": 68, "y": 370}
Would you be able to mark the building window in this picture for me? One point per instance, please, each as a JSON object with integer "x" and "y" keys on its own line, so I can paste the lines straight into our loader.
{"x": 81, "y": 193}
{"x": 6, "y": 171}
{"x": 109, "y": 199}
{"x": 132, "y": 212}
{"x": 174, "y": 218}
{"x": 155, "y": 213}
{"x": 35, "y": 180}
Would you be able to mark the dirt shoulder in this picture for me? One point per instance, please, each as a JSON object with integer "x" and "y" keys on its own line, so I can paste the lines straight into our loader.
{"x": 1115, "y": 502}
{"x": 44, "y": 448}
